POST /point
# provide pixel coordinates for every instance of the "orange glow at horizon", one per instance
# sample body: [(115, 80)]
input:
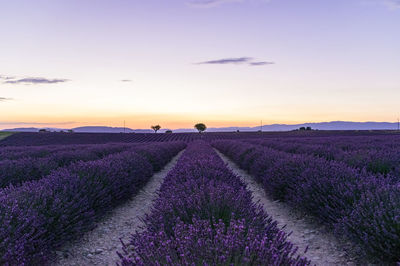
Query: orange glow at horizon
[(170, 121)]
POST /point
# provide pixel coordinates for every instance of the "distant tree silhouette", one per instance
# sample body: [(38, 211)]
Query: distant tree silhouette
[(168, 131), (156, 128), (200, 127), (308, 128), (302, 128), (43, 130)]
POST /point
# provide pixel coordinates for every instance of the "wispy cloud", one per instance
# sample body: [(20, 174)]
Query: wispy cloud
[(262, 63), (18, 123), (3, 99), (6, 77), (34, 81), (236, 61), (390, 4), (126, 80), (393, 4)]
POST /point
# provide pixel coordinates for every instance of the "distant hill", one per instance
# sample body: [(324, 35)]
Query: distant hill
[(32, 129), (100, 129), (96, 129), (333, 125)]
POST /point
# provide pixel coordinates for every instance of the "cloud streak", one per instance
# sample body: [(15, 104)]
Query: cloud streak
[(236, 61), (3, 99), (262, 63), (35, 81), (6, 77), (390, 4), (126, 80), (393, 4), (18, 123)]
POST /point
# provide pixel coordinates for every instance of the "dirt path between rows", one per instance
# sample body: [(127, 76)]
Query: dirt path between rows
[(323, 247), (99, 246)]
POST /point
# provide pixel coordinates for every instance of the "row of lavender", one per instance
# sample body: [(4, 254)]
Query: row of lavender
[(49, 138), (40, 215), (352, 142), (358, 205), (205, 216), (32, 163), (375, 154), (37, 139), (18, 152)]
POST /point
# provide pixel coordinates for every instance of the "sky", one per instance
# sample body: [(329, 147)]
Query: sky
[(70, 63)]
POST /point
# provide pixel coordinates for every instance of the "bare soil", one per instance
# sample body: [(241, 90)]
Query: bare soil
[(100, 246)]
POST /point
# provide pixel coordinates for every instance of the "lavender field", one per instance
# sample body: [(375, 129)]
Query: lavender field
[(349, 183), (52, 194), (200, 132)]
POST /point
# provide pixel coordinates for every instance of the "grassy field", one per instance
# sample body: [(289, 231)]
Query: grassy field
[(4, 135)]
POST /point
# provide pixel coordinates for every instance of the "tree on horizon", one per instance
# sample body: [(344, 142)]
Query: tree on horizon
[(156, 128), (200, 127)]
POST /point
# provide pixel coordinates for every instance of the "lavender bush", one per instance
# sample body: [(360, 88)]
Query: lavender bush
[(32, 168), (362, 206), (41, 215), (205, 216), (375, 223), (376, 155)]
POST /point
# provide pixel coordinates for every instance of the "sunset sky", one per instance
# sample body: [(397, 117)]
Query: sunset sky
[(69, 63)]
